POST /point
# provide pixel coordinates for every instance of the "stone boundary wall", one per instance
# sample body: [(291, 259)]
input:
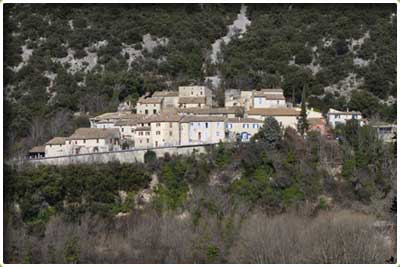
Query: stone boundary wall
[(127, 156)]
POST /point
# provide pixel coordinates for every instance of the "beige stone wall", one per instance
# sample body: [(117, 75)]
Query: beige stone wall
[(149, 108), (170, 101), (55, 150)]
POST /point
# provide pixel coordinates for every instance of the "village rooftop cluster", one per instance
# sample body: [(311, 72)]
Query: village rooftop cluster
[(187, 117)]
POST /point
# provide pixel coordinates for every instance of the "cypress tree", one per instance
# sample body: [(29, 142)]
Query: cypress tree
[(302, 123)]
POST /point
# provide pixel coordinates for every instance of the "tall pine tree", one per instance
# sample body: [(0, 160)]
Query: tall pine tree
[(302, 123)]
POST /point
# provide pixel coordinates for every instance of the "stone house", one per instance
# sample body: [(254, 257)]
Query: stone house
[(92, 140), (196, 91), (108, 120), (170, 98), (192, 102), (165, 129), (287, 117), (55, 147), (149, 105)]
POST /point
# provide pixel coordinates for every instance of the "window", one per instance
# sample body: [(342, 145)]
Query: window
[(142, 124), (170, 133), (245, 125), (84, 141), (218, 124), (146, 111), (217, 133), (229, 125), (76, 142), (336, 116), (260, 100), (132, 130), (148, 124), (170, 125), (148, 140), (206, 124), (147, 133), (97, 140), (354, 117), (154, 111), (122, 129), (201, 92), (199, 105), (69, 142), (158, 124), (110, 140), (158, 133), (255, 125)]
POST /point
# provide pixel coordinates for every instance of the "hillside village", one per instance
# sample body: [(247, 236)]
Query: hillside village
[(190, 117)]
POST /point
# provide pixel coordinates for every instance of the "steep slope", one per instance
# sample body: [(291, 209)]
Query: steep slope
[(63, 59)]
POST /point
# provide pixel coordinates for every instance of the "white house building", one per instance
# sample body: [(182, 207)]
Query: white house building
[(242, 128), (287, 117), (269, 98), (336, 117), (202, 130)]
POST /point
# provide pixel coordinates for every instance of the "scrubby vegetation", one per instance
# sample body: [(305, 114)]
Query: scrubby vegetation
[(44, 88), (273, 200)]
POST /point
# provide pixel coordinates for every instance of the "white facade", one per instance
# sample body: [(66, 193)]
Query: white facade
[(205, 130), (242, 128), (336, 117)]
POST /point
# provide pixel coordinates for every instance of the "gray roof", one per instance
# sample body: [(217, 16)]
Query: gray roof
[(57, 141), (94, 133)]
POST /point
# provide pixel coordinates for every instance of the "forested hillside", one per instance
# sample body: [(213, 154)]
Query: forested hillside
[(62, 59), (278, 199)]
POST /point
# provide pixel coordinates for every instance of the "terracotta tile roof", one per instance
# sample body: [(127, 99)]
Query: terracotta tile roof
[(165, 93), (162, 117), (192, 100), (132, 120), (57, 141), (150, 100), (225, 110), (273, 112), (189, 118), (241, 120), (94, 133), (37, 149)]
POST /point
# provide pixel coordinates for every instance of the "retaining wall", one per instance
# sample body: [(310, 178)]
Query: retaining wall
[(128, 156)]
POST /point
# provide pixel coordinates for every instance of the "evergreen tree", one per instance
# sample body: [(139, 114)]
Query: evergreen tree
[(302, 123), (270, 133)]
